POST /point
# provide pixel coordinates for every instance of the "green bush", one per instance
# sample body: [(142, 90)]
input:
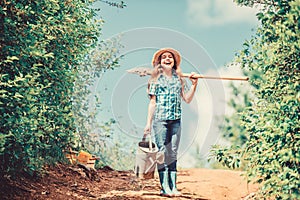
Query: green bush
[(273, 148), (86, 103), (271, 122), (42, 43)]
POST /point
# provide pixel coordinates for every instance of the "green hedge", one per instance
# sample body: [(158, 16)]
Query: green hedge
[(271, 122), (41, 46)]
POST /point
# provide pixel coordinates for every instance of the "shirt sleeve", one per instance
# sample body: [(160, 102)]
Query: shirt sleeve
[(151, 88)]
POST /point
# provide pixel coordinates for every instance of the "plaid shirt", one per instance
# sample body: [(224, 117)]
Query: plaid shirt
[(168, 97)]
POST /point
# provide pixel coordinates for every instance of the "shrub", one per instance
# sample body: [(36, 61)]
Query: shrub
[(42, 43)]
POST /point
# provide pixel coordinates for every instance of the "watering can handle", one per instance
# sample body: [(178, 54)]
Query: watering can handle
[(150, 142)]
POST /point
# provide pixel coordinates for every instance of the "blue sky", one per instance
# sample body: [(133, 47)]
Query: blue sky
[(218, 25), (207, 33)]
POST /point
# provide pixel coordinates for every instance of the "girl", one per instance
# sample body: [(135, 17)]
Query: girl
[(166, 88)]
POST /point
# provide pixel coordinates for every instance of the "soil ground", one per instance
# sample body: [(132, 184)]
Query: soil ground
[(65, 183)]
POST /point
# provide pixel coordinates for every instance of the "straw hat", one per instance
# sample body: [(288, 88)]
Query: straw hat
[(177, 57)]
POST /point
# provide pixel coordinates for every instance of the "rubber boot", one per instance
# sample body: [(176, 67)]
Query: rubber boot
[(164, 181), (172, 183)]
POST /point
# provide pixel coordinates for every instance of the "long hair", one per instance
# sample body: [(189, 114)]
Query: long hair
[(157, 71)]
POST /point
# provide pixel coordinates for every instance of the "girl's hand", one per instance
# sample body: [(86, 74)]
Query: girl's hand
[(193, 80), (147, 131)]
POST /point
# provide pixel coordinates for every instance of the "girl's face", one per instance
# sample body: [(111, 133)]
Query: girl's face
[(167, 60)]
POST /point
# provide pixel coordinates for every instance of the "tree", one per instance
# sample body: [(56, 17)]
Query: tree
[(271, 122), (232, 129), (85, 103), (42, 48)]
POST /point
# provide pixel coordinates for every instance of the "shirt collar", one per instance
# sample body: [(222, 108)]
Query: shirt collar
[(174, 75)]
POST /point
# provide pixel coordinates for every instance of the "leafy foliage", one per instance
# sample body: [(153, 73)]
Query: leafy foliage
[(230, 157), (118, 5), (117, 153), (271, 122), (233, 130), (42, 45), (86, 101)]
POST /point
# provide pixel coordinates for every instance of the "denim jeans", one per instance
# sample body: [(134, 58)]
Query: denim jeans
[(167, 137)]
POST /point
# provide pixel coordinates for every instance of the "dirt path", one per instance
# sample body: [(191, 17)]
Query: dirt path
[(195, 184), (64, 183)]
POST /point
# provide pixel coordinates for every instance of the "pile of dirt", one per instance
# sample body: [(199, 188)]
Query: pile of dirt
[(76, 182)]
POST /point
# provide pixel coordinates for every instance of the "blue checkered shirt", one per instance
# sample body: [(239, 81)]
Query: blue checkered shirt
[(168, 97)]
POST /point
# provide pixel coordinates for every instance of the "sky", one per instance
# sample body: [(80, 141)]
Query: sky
[(207, 33)]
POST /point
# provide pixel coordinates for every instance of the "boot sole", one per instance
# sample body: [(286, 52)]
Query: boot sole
[(167, 195)]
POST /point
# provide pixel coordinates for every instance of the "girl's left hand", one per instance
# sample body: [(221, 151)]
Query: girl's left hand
[(194, 80)]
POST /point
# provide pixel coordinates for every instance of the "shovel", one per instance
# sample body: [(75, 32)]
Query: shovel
[(144, 71)]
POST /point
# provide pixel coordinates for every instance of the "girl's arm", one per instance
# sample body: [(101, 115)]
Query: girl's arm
[(188, 97), (151, 110)]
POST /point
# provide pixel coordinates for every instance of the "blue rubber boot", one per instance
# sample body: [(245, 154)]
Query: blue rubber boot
[(164, 181), (172, 183)]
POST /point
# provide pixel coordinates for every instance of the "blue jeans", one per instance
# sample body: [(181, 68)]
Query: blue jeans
[(167, 137)]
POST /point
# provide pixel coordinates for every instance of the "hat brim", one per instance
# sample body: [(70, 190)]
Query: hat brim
[(157, 54)]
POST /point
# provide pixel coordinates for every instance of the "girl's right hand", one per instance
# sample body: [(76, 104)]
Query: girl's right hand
[(147, 129)]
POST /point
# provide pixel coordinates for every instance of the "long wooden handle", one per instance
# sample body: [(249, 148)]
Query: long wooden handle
[(144, 71), (216, 77)]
